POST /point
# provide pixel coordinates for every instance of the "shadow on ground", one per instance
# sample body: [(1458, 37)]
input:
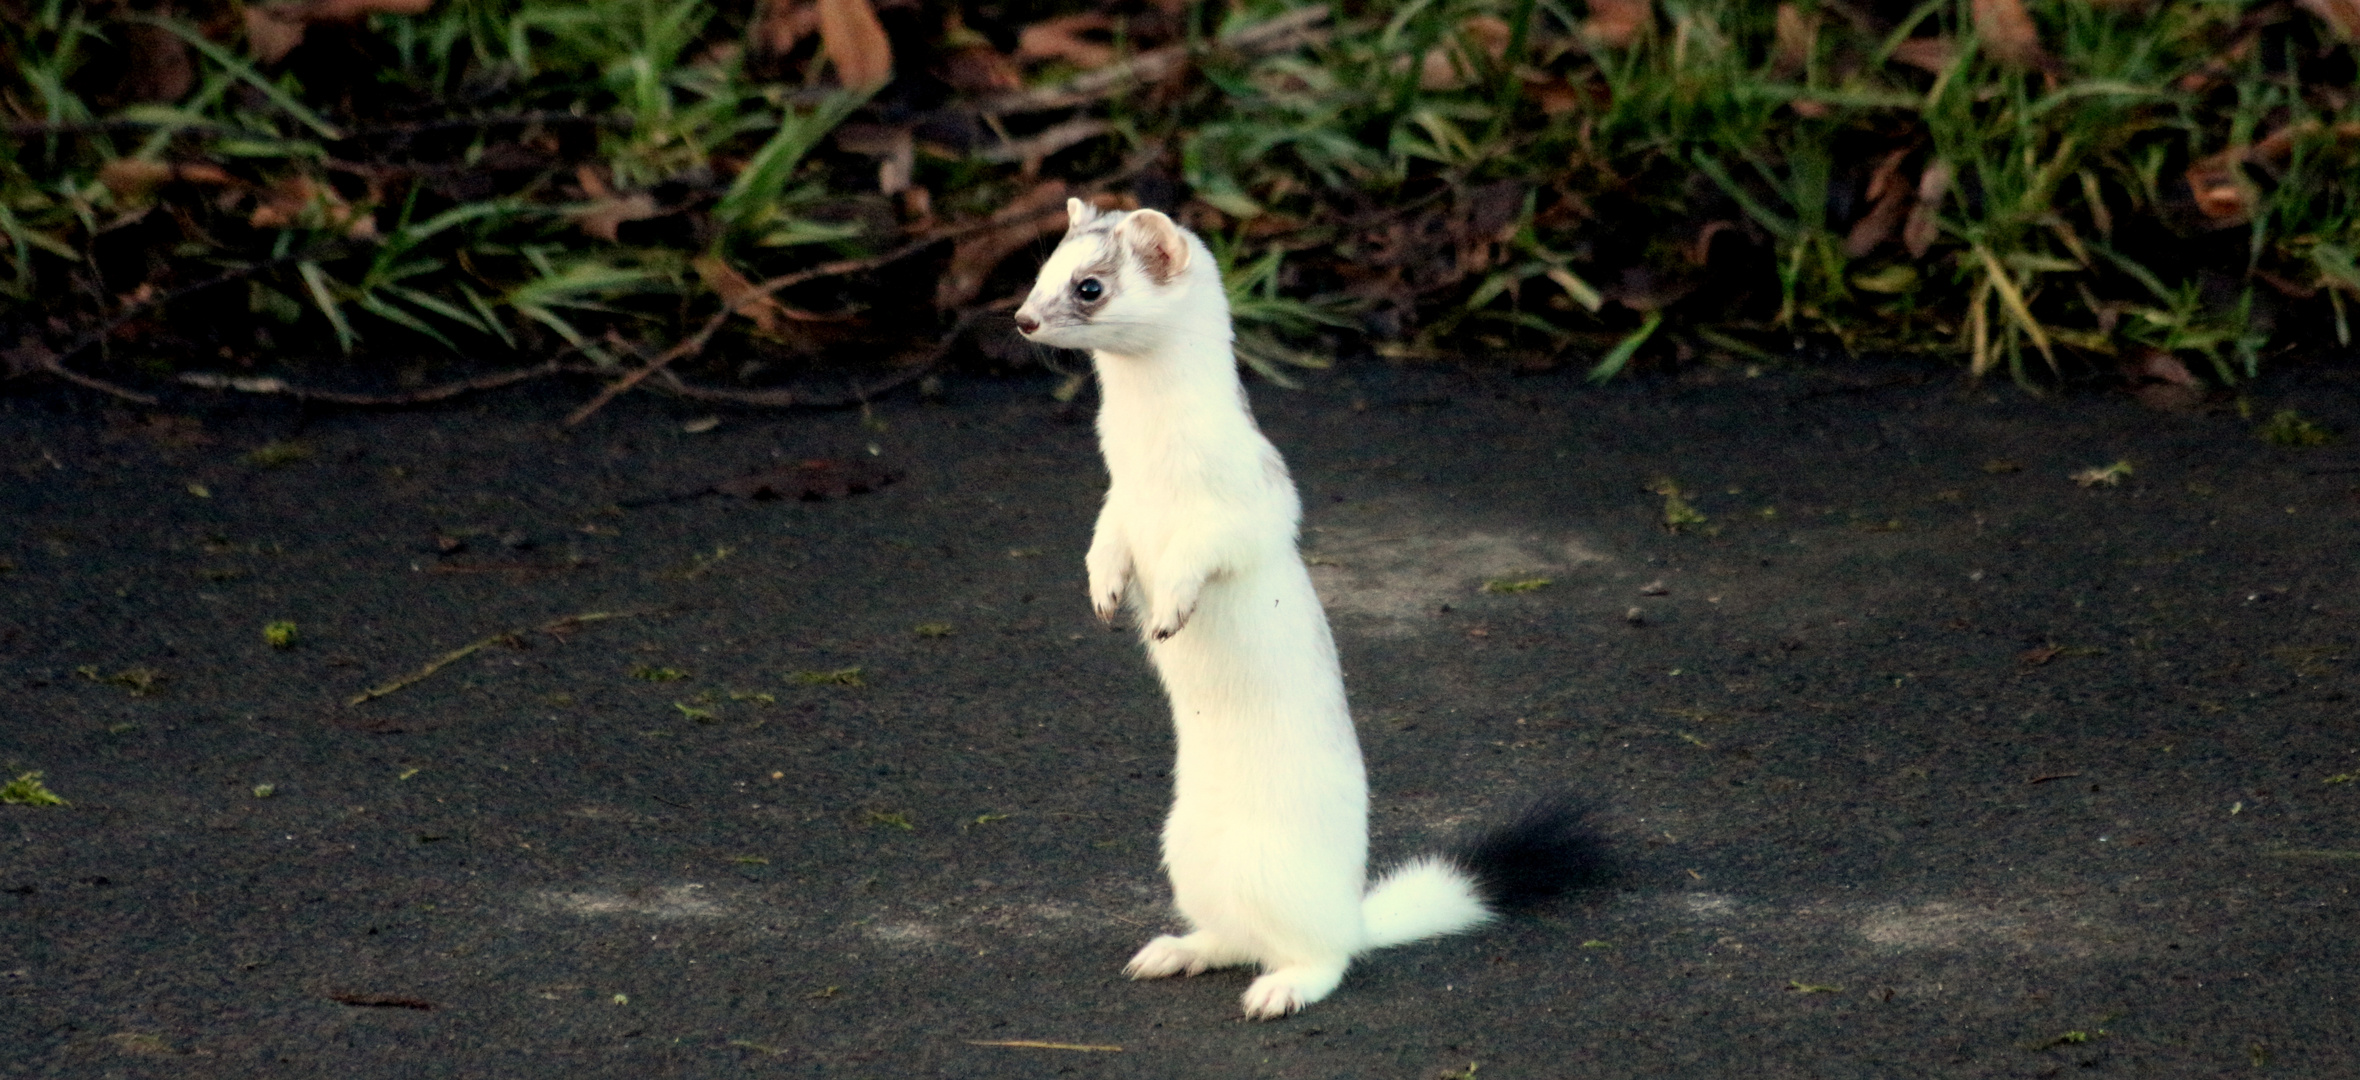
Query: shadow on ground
[(1918, 757)]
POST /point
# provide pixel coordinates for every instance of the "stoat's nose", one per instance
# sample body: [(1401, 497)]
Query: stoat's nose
[(1026, 323)]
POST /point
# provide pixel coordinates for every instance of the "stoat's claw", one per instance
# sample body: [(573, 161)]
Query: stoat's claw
[(1169, 625)]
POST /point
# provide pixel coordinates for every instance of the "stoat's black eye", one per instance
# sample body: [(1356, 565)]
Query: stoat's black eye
[(1088, 289)]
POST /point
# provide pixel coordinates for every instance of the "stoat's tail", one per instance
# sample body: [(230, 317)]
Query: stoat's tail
[(1542, 852)]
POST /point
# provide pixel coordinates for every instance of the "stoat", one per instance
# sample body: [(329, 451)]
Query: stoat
[(1267, 843)]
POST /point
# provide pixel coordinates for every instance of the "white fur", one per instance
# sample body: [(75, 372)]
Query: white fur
[(1267, 843)]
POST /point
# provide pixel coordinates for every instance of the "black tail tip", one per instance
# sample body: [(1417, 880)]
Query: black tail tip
[(1537, 856)]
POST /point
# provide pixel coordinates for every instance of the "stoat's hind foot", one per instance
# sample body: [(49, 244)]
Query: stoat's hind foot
[(1288, 989), (1191, 955)]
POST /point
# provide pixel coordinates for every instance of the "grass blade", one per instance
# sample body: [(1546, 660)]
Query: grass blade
[(316, 281), (1612, 364), (230, 62), (2014, 302)]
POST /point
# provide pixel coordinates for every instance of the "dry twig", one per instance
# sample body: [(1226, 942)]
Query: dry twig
[(553, 626), (271, 385), (1033, 148)]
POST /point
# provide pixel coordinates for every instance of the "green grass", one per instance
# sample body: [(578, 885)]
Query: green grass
[(28, 790), (499, 182)]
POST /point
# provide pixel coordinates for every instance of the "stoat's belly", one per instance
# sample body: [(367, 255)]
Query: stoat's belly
[(1256, 666)]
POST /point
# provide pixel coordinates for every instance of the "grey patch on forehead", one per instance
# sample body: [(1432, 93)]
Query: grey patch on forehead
[(1096, 232), (1104, 266)]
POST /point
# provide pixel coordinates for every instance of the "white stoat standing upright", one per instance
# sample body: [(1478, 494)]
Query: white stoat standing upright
[(1267, 843)]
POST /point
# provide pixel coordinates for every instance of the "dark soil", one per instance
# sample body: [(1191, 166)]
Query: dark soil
[(1915, 758)]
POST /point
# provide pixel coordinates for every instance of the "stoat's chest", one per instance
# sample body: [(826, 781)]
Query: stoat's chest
[(1167, 483)]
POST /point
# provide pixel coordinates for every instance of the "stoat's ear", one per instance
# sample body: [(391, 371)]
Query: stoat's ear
[(1078, 214), (1161, 249)]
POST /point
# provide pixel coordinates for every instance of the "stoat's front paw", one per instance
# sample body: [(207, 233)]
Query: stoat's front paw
[(1108, 579), (1166, 956), (1169, 613), (1165, 626)]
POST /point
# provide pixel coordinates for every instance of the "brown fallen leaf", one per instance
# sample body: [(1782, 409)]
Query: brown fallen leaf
[(1878, 225), (1069, 38), (1927, 54), (2341, 16), (1889, 203), (2158, 364), (1489, 33), (298, 201), (1450, 67), (1886, 179), (980, 69), (1918, 233), (1645, 288), (1798, 35), (780, 25), (1617, 23), (2161, 382), (855, 42), (2277, 146), (2222, 191), (1032, 215), (272, 33), (739, 293), (134, 178), (810, 481), (2039, 656), (1555, 95), (605, 212), (2007, 33), (274, 30)]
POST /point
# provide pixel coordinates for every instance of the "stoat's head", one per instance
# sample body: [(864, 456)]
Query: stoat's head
[(1124, 281)]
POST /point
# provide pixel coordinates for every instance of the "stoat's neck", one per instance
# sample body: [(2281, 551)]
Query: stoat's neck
[(1179, 402)]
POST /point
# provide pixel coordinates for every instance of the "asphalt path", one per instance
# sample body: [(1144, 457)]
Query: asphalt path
[(1915, 755)]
